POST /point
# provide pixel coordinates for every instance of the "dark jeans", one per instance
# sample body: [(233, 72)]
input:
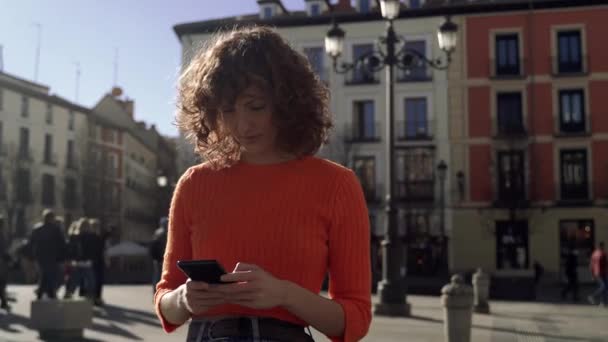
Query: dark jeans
[(571, 286), (99, 271), (3, 299), (602, 290), (81, 275), (49, 279)]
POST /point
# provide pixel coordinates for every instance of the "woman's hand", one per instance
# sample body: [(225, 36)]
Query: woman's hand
[(253, 287), (197, 298)]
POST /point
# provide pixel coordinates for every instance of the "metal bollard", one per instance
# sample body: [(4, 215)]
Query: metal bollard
[(481, 290), (457, 301)]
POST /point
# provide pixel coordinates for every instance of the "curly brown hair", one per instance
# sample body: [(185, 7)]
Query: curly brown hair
[(232, 61)]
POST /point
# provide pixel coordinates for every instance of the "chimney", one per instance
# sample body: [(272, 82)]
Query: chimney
[(129, 106)]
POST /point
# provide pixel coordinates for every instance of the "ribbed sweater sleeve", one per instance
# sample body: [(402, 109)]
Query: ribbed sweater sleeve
[(179, 245), (349, 258)]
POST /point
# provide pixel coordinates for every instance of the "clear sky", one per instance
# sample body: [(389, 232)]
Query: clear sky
[(89, 31)]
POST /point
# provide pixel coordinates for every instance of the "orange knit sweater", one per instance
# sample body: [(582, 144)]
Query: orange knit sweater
[(298, 220)]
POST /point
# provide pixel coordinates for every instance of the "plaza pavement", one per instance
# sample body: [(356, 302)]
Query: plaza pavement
[(129, 316)]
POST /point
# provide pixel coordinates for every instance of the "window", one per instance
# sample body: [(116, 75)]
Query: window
[(574, 181), (416, 3), (112, 165), (315, 10), (510, 115), (110, 135), (2, 148), (48, 149), (315, 57), (71, 160), (579, 235), (364, 6), (365, 169), (507, 54), (70, 201), (414, 173), (572, 110), (24, 143), (24, 194), (512, 245), (364, 127), (71, 119), (267, 12), (25, 107), (569, 47), (49, 113), (48, 190), (416, 119), (511, 177), (359, 74), (418, 70)]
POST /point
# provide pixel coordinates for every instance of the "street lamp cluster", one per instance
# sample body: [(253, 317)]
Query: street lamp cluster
[(391, 288)]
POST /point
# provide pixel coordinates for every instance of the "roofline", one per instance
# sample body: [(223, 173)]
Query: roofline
[(210, 26), (19, 79), (57, 100)]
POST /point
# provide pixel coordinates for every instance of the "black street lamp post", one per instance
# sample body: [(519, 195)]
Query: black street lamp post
[(391, 288), (442, 173)]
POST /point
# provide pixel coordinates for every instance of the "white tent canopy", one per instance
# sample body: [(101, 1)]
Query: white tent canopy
[(126, 248)]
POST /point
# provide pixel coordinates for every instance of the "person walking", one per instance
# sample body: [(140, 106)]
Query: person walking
[(80, 260), (98, 245), (571, 272), (157, 251), (5, 260), (49, 250), (599, 271)]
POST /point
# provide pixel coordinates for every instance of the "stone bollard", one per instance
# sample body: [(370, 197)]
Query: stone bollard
[(61, 320), (457, 301), (481, 290)]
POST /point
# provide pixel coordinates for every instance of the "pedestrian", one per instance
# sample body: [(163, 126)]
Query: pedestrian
[(599, 271), (4, 267), (157, 251), (99, 238), (571, 272), (80, 251), (539, 270), (49, 250), (262, 204)]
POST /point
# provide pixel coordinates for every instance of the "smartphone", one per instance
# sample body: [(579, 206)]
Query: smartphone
[(208, 271)]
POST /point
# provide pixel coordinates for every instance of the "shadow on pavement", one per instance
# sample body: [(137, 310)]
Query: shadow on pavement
[(510, 331), (113, 329), (126, 315), (8, 321)]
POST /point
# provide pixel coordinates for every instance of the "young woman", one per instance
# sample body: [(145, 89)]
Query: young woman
[(262, 204)]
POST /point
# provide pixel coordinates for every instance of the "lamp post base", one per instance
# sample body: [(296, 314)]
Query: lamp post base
[(393, 300), (392, 309)]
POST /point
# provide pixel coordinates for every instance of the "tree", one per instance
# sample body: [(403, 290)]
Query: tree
[(16, 173)]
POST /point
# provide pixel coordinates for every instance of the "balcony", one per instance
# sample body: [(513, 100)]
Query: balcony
[(359, 77), (50, 159), (355, 133), (569, 68), (418, 190), (25, 155), (508, 71), (415, 74), (411, 130), (511, 130)]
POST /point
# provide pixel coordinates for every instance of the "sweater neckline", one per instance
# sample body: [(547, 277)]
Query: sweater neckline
[(273, 166)]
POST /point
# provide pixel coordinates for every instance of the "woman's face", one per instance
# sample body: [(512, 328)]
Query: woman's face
[(250, 122)]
